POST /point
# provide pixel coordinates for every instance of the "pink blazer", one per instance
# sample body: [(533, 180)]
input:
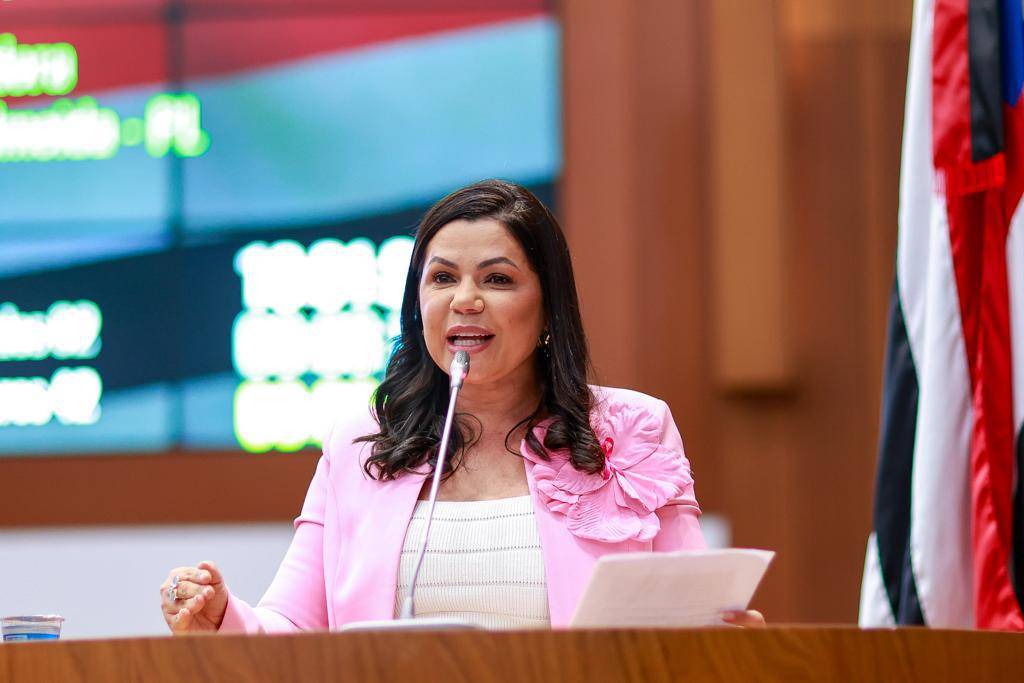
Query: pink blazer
[(343, 561)]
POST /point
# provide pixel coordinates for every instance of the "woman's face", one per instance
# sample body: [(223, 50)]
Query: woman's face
[(478, 294)]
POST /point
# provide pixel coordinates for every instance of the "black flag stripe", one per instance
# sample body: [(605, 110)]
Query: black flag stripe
[(985, 79), (895, 465)]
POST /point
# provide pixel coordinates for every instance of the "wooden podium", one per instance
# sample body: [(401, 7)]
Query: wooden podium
[(774, 654)]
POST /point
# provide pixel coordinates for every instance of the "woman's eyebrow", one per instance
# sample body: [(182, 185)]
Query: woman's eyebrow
[(494, 261), (443, 261)]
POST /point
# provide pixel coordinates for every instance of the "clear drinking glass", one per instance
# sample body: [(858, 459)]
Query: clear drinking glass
[(32, 627)]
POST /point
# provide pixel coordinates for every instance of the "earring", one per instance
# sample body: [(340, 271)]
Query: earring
[(544, 340)]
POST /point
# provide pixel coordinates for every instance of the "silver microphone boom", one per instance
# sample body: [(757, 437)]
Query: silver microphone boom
[(457, 372)]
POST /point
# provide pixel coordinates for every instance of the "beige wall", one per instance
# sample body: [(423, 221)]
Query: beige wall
[(730, 195)]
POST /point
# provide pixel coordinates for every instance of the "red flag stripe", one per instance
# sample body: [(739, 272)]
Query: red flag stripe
[(992, 434), (951, 94), (979, 214)]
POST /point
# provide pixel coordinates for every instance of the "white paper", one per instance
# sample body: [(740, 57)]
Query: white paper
[(685, 588)]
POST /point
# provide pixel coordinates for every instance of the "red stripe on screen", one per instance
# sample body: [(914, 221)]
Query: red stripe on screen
[(115, 54)]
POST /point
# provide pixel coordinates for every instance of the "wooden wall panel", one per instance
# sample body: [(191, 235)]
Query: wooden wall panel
[(647, 183), (179, 488), (791, 470), (834, 437), (843, 175), (830, 19)]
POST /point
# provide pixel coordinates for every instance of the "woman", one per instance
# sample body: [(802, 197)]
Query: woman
[(547, 474)]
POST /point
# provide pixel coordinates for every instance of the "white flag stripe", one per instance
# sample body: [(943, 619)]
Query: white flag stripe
[(917, 175), (940, 535), (1015, 273), (875, 609), (940, 542)]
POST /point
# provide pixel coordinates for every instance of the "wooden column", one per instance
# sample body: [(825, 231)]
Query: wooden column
[(751, 336), (601, 179)]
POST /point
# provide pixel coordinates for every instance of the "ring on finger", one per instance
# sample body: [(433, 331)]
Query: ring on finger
[(172, 591)]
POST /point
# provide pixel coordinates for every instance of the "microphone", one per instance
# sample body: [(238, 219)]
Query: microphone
[(457, 372)]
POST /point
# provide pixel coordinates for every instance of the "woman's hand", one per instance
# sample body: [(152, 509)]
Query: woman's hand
[(744, 618), (194, 599)]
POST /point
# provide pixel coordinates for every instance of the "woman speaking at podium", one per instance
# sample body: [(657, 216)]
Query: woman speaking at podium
[(546, 474)]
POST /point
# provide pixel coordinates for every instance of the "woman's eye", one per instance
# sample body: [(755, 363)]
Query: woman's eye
[(442, 278), (499, 279)]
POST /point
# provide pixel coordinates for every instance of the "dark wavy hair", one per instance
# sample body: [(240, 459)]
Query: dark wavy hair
[(411, 401)]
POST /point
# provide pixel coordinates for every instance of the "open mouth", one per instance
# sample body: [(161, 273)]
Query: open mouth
[(469, 341)]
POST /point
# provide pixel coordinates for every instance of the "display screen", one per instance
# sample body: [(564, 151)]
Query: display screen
[(206, 206)]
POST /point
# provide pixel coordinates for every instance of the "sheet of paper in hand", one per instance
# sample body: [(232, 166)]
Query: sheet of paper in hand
[(685, 588)]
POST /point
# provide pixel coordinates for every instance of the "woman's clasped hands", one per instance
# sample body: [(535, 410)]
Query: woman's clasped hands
[(194, 599)]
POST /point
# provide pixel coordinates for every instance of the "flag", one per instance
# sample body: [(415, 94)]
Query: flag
[(947, 547)]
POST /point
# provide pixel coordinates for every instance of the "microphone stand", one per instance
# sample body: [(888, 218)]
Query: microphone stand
[(407, 619)]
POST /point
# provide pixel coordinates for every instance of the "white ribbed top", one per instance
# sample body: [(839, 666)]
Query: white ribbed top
[(483, 564)]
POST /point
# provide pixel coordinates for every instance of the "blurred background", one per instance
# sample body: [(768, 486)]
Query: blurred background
[(205, 219)]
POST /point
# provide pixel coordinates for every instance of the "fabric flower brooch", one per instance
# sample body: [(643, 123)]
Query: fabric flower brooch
[(640, 475)]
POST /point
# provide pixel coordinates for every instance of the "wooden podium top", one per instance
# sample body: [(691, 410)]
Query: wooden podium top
[(727, 654)]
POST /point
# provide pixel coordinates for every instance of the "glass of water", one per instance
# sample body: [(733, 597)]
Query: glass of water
[(32, 627)]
